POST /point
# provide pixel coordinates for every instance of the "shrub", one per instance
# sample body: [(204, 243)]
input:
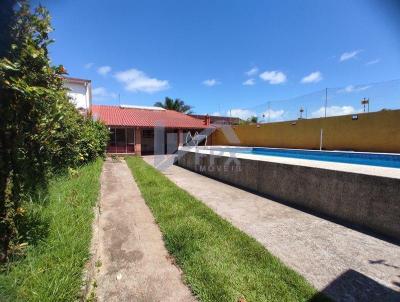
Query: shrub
[(41, 132), (93, 141)]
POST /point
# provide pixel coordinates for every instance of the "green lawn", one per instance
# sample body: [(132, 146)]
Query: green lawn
[(220, 263), (58, 228)]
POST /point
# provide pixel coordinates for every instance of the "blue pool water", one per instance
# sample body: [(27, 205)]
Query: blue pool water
[(371, 159)]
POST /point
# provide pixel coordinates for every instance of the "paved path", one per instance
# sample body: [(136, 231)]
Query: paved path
[(135, 265), (345, 264)]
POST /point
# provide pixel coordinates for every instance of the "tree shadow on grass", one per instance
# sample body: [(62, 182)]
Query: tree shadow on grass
[(354, 286)]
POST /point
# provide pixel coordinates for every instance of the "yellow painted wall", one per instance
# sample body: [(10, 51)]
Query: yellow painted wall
[(375, 132)]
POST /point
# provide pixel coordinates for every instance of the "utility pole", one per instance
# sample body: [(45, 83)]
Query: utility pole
[(326, 99), (320, 139), (301, 113), (364, 102)]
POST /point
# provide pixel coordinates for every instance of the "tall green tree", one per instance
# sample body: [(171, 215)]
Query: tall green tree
[(41, 132), (177, 105), (252, 120), (7, 18)]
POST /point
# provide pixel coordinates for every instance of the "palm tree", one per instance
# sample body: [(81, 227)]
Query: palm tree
[(253, 119), (177, 105)]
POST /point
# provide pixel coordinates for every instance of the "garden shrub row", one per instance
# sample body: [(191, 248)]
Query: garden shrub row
[(41, 132)]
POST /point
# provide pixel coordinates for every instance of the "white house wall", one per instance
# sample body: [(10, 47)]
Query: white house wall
[(79, 94)]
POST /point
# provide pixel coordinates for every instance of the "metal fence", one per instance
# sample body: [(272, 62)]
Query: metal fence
[(328, 102)]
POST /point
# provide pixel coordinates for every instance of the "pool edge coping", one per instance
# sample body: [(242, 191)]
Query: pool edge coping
[(334, 166)]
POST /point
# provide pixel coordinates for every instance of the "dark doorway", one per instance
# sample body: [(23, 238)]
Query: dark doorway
[(171, 141), (148, 141)]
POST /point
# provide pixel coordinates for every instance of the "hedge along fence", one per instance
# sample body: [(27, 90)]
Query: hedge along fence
[(41, 132)]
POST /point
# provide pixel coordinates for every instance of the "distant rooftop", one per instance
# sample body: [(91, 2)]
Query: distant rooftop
[(219, 120), (141, 107), (76, 80)]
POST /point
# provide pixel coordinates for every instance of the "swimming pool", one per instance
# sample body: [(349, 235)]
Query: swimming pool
[(359, 158)]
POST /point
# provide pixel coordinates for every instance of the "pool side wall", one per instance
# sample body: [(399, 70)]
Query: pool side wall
[(366, 201)]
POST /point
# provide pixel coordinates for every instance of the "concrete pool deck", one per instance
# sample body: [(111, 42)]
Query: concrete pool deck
[(345, 264), (361, 195)]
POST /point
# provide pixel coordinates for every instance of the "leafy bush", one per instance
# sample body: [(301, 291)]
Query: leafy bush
[(41, 132), (93, 141)]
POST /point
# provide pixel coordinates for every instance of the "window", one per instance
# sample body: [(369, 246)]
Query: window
[(148, 133)]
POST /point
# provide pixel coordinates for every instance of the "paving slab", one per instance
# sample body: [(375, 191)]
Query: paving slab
[(131, 261), (345, 264)]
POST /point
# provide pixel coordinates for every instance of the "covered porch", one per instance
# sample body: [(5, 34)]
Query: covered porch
[(146, 140), (146, 130)]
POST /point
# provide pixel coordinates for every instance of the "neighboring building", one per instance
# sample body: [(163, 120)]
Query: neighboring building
[(218, 120), (146, 130), (80, 92)]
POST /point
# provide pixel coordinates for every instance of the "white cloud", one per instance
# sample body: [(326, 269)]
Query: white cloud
[(349, 55), (351, 88), (211, 82), (333, 111), (274, 114), (313, 77), (252, 72), (101, 93), (273, 77), (216, 113), (137, 81), (249, 82), (103, 70), (88, 65), (243, 114), (376, 61)]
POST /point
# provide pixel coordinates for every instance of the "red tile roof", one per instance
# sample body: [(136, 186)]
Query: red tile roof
[(134, 117)]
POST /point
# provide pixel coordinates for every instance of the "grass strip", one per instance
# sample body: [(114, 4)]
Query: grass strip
[(220, 262), (59, 231)]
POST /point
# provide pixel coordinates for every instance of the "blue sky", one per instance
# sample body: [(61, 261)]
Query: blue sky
[(227, 55)]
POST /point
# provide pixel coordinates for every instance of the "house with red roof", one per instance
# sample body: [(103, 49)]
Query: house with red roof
[(146, 130)]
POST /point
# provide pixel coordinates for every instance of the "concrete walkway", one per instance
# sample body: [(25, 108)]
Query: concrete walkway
[(132, 263), (346, 264)]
